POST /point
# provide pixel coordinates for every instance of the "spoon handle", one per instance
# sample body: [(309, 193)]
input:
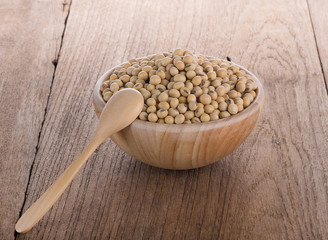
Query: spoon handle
[(47, 200)]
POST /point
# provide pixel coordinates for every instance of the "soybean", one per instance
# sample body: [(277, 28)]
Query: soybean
[(181, 87)]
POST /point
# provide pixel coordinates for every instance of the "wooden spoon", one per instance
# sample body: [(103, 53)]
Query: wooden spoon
[(120, 111)]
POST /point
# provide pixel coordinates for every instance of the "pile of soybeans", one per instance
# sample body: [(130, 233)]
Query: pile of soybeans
[(182, 87)]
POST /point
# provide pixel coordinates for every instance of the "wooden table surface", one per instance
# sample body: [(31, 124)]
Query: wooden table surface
[(274, 186)]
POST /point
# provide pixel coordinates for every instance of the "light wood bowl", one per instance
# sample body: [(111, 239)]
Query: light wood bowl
[(184, 146)]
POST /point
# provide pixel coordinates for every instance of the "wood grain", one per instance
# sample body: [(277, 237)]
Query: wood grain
[(319, 18), (28, 45), (273, 187)]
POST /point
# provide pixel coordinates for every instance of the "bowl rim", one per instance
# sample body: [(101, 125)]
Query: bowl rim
[(250, 110)]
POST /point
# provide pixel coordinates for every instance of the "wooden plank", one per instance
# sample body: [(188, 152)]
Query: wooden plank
[(273, 187), (30, 37), (319, 18)]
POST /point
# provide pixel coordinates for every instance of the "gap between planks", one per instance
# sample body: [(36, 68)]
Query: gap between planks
[(317, 47), (55, 63)]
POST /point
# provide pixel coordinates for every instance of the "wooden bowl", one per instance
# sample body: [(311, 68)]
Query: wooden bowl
[(184, 146)]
